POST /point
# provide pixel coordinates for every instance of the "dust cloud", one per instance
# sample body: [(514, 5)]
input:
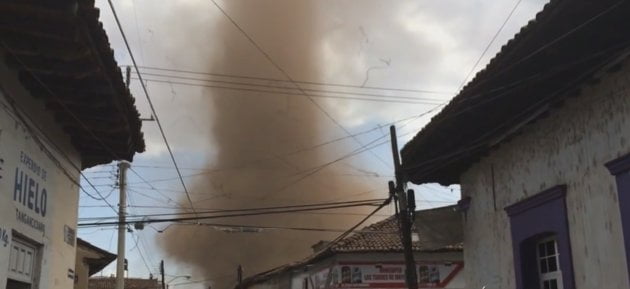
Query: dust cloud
[(255, 137)]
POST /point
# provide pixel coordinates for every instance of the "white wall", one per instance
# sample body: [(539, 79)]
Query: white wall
[(569, 147), (321, 267), (62, 193)]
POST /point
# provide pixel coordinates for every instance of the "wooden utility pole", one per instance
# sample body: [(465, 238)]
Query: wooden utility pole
[(239, 275), (122, 204), (398, 190), (162, 273)]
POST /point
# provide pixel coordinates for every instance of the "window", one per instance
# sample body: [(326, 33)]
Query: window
[(23, 263), (548, 264), (540, 241)]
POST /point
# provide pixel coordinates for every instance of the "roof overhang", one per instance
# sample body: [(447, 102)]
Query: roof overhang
[(566, 47), (62, 56), (96, 264)]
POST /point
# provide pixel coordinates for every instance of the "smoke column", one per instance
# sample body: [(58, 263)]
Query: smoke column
[(253, 134)]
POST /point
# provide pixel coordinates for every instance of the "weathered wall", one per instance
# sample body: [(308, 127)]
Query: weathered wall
[(61, 201), (569, 147), (319, 270)]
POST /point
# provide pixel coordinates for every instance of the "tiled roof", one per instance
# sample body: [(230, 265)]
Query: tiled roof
[(62, 56), (443, 234), (549, 60), (383, 236), (378, 237), (130, 283)]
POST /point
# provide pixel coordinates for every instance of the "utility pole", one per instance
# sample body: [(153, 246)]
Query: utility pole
[(122, 204), (239, 275), (397, 189), (128, 76), (162, 272)]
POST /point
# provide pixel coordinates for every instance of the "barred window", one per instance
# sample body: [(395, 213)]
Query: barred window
[(548, 264)]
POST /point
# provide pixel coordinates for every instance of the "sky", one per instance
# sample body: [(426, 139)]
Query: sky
[(421, 51)]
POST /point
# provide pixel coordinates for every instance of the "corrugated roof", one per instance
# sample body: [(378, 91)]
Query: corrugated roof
[(62, 56), (546, 62)]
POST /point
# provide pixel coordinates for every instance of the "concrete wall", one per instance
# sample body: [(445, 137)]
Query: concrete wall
[(62, 194), (569, 147)]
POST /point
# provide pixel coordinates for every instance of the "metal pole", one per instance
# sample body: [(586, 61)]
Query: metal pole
[(405, 215), (122, 203)]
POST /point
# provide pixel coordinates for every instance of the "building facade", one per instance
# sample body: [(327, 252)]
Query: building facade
[(373, 258), (63, 108), (89, 261), (543, 165)]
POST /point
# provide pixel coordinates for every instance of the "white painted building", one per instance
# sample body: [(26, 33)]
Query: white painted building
[(373, 258), (63, 108), (540, 143)]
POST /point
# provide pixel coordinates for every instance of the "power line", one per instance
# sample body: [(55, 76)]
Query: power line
[(550, 72), (285, 92), (440, 201), (146, 93), (478, 142), (349, 231), (490, 44), (296, 81), (554, 41), (211, 211), (140, 252), (378, 127), (288, 77), (150, 185), (22, 116), (366, 147), (290, 88), (196, 218), (131, 201), (308, 229)]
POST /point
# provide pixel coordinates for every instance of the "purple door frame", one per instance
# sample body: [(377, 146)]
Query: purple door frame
[(539, 216), (620, 168)]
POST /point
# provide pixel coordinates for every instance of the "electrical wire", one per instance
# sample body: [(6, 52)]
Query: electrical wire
[(513, 64), (287, 92), (151, 106), (296, 81), (150, 184), (212, 211), (308, 229), (290, 88), (22, 116), (489, 44), (290, 79), (140, 252), (151, 221), (353, 228), (478, 142)]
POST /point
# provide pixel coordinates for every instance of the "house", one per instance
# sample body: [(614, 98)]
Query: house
[(373, 258), (130, 283), (89, 261), (540, 143), (64, 107)]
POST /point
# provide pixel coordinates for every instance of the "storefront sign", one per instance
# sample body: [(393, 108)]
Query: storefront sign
[(29, 192), (384, 275)]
